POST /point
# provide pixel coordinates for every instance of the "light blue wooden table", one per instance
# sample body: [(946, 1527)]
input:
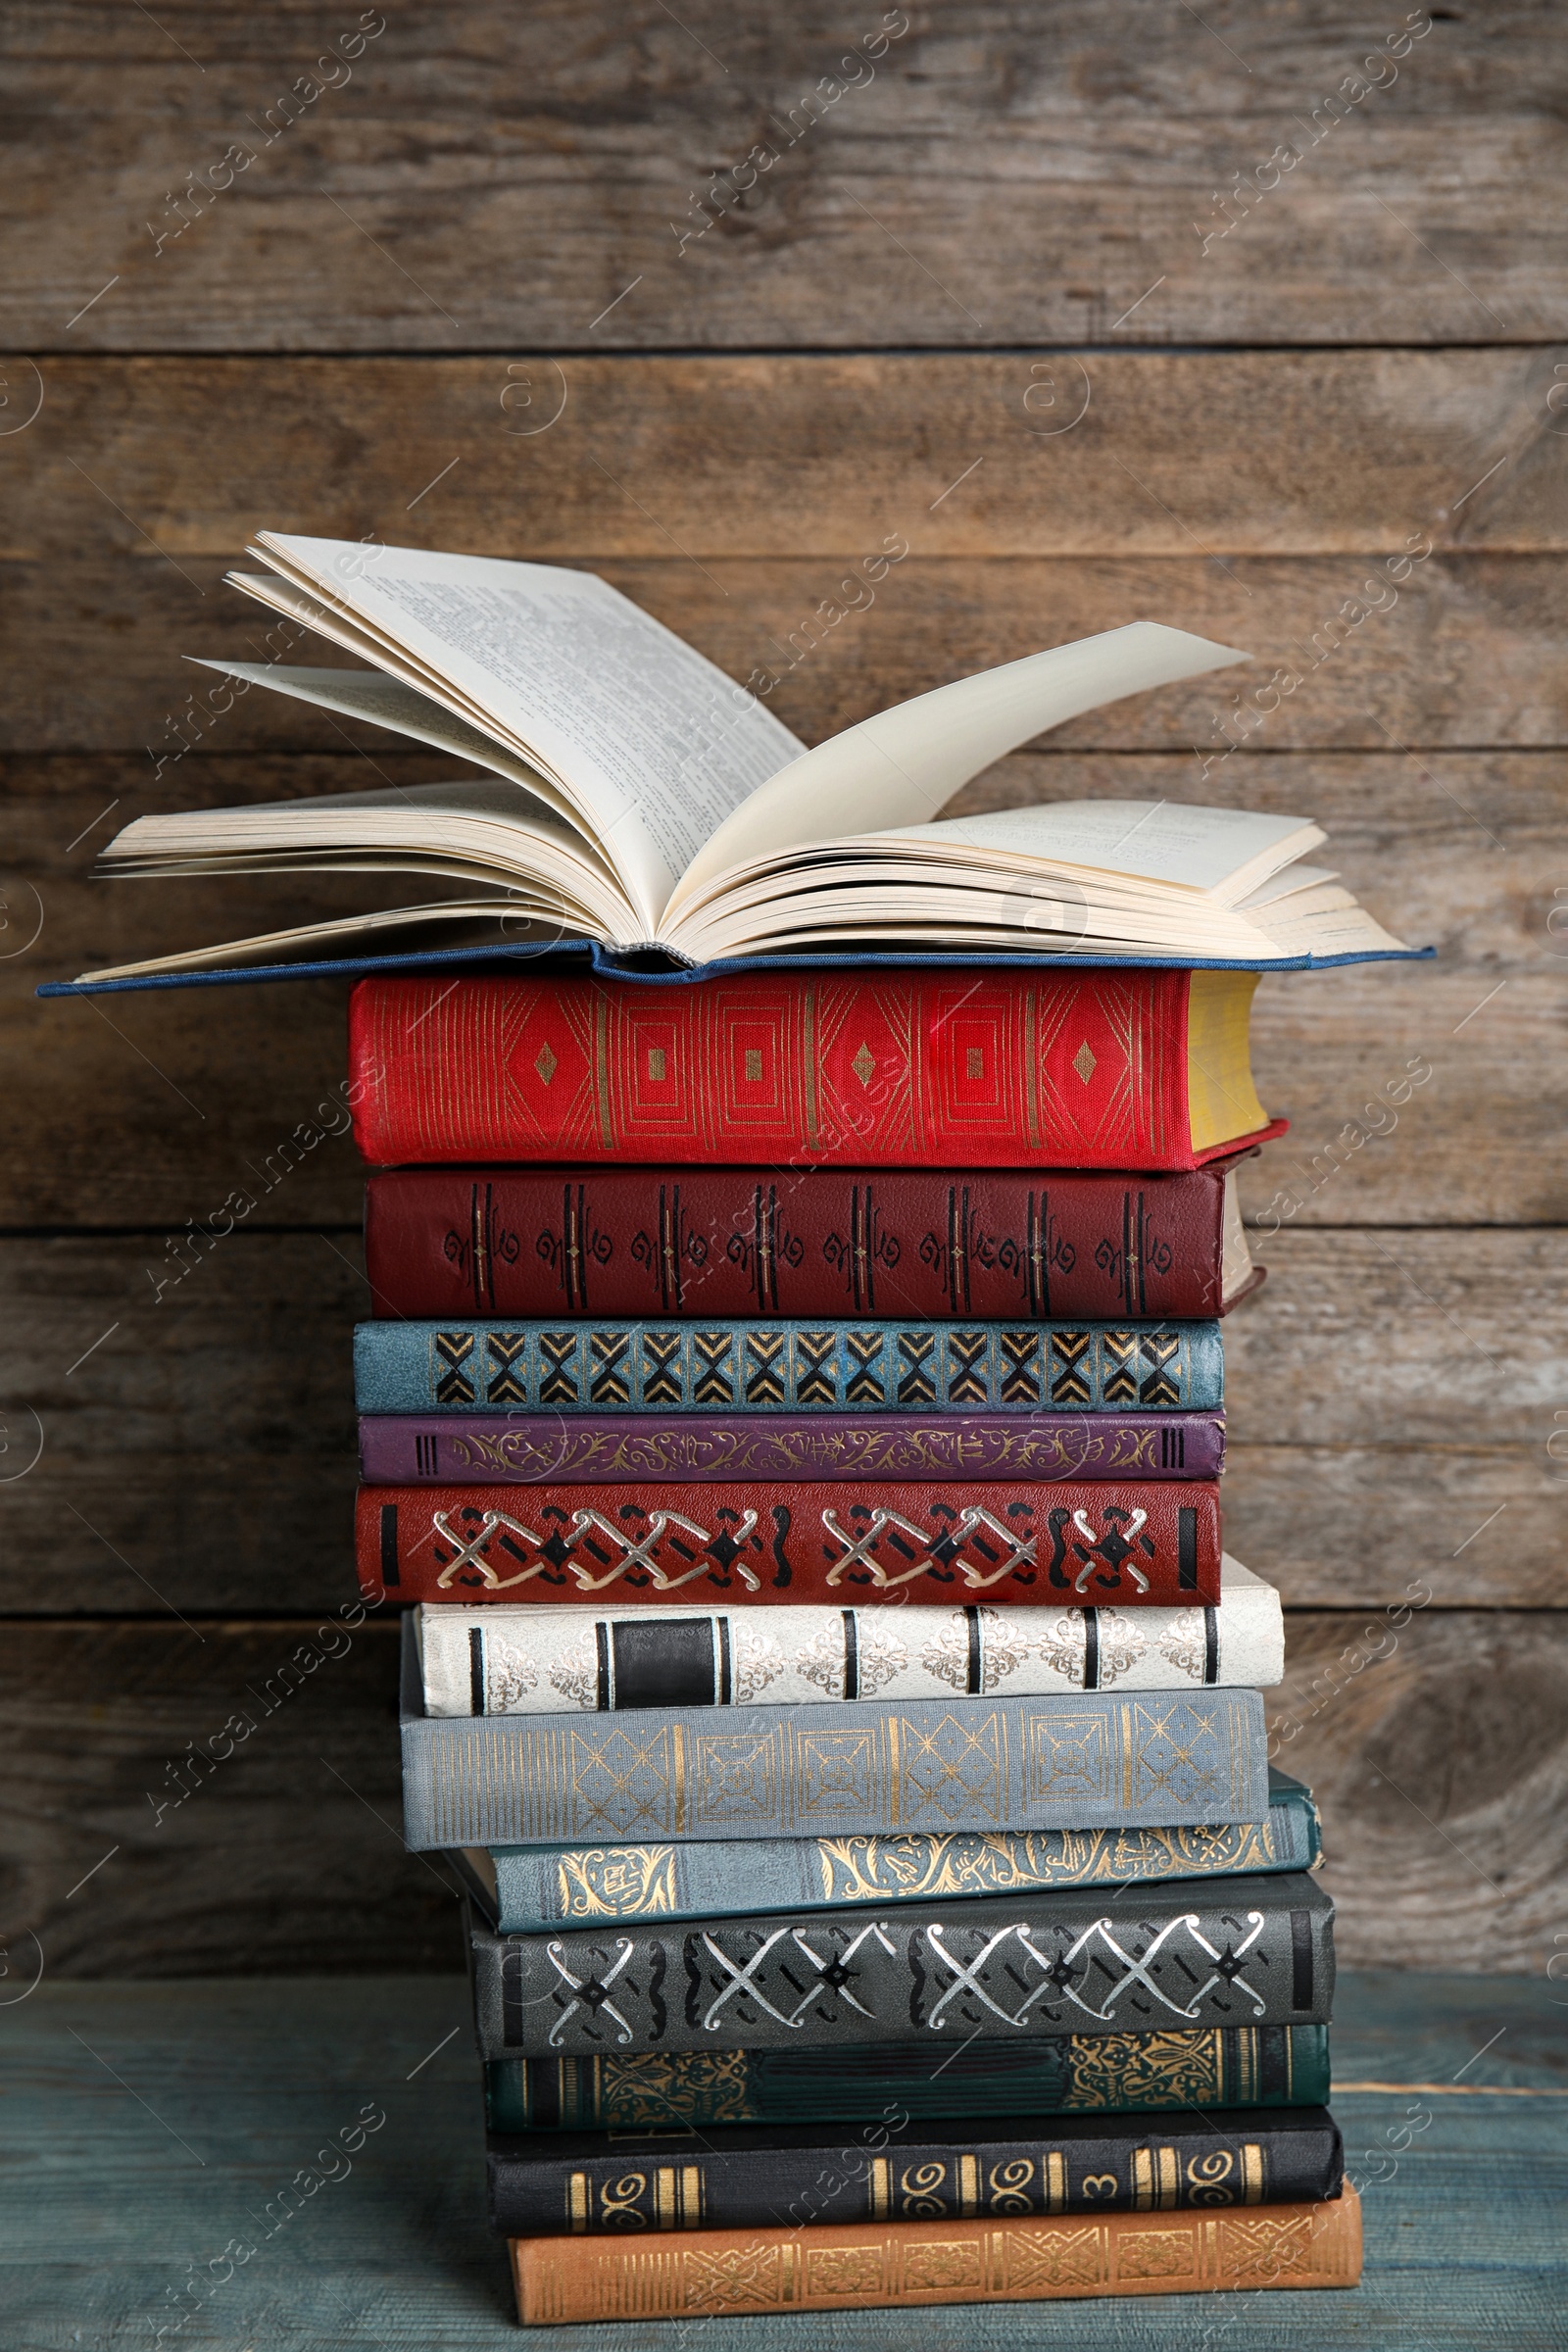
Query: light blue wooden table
[(146, 2127)]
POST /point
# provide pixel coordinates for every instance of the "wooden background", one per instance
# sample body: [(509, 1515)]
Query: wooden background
[(894, 332)]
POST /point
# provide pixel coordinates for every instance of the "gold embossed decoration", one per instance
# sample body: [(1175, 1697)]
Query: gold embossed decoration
[(1170, 2069), (1270, 2244), (931, 2263), (652, 2089), (1059, 2257), (851, 2271), (733, 2278), (1158, 2254), (617, 1882)]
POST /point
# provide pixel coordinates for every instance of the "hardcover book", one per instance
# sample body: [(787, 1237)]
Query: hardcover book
[(1170, 2067), (890, 1069), (909, 2265), (1154, 1544), (524, 1889), (403, 1450), (548, 1660), (757, 2176), (1098, 1760), (636, 796), (708, 1243), (1220, 1952), (756, 1367)]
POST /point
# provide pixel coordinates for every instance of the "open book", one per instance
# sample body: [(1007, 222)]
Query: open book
[(639, 798)]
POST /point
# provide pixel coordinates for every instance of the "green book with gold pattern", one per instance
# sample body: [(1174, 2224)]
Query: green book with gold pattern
[(1149, 2073), (528, 1889)]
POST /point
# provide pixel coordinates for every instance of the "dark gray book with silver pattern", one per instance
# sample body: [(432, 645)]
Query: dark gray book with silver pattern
[(1220, 1952)]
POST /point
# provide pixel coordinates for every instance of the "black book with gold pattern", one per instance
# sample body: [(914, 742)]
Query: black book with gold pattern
[(802, 2175)]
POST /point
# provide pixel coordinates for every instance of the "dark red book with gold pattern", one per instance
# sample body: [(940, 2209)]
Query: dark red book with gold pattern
[(1153, 1543), (698, 1243), (1132, 1069)]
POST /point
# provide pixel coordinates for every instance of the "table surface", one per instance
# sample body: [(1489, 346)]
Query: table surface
[(147, 2128)]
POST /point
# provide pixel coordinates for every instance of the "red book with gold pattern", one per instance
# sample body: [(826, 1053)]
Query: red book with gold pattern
[(1156, 1543), (714, 1243), (1071, 1069)]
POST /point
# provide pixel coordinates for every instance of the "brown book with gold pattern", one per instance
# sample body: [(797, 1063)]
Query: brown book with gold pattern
[(1027, 2260)]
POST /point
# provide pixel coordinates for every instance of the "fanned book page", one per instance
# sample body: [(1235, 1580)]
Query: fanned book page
[(641, 800)]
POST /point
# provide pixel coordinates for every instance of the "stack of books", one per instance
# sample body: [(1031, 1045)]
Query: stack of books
[(792, 1422), (821, 1656)]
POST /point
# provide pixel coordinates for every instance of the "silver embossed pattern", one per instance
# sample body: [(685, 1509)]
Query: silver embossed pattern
[(555, 1660)]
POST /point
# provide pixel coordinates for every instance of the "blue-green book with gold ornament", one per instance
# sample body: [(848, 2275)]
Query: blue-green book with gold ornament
[(1145, 2073), (530, 1889)]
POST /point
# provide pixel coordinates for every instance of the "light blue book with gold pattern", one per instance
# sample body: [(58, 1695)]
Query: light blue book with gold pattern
[(1093, 1759), (531, 1889)]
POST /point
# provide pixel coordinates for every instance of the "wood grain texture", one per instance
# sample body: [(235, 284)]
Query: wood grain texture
[(1438, 1750), (1442, 1767), (1391, 1401), (1471, 657), (1459, 849), (1428, 1337), (286, 1850), (596, 460), (1001, 173), (250, 2085), (198, 1450)]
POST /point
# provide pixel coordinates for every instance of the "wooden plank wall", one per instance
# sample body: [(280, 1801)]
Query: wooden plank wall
[(503, 279)]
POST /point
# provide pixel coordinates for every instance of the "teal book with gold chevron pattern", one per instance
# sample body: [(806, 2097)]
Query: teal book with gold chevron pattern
[(753, 1367)]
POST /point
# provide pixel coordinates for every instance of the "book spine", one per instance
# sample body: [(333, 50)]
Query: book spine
[(1056, 1545), (717, 1242), (1083, 1069), (1226, 1952), (1094, 1761), (1227, 2066), (540, 1888), (816, 2177), (557, 1661), (398, 1449), (581, 1367), (907, 2264)]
